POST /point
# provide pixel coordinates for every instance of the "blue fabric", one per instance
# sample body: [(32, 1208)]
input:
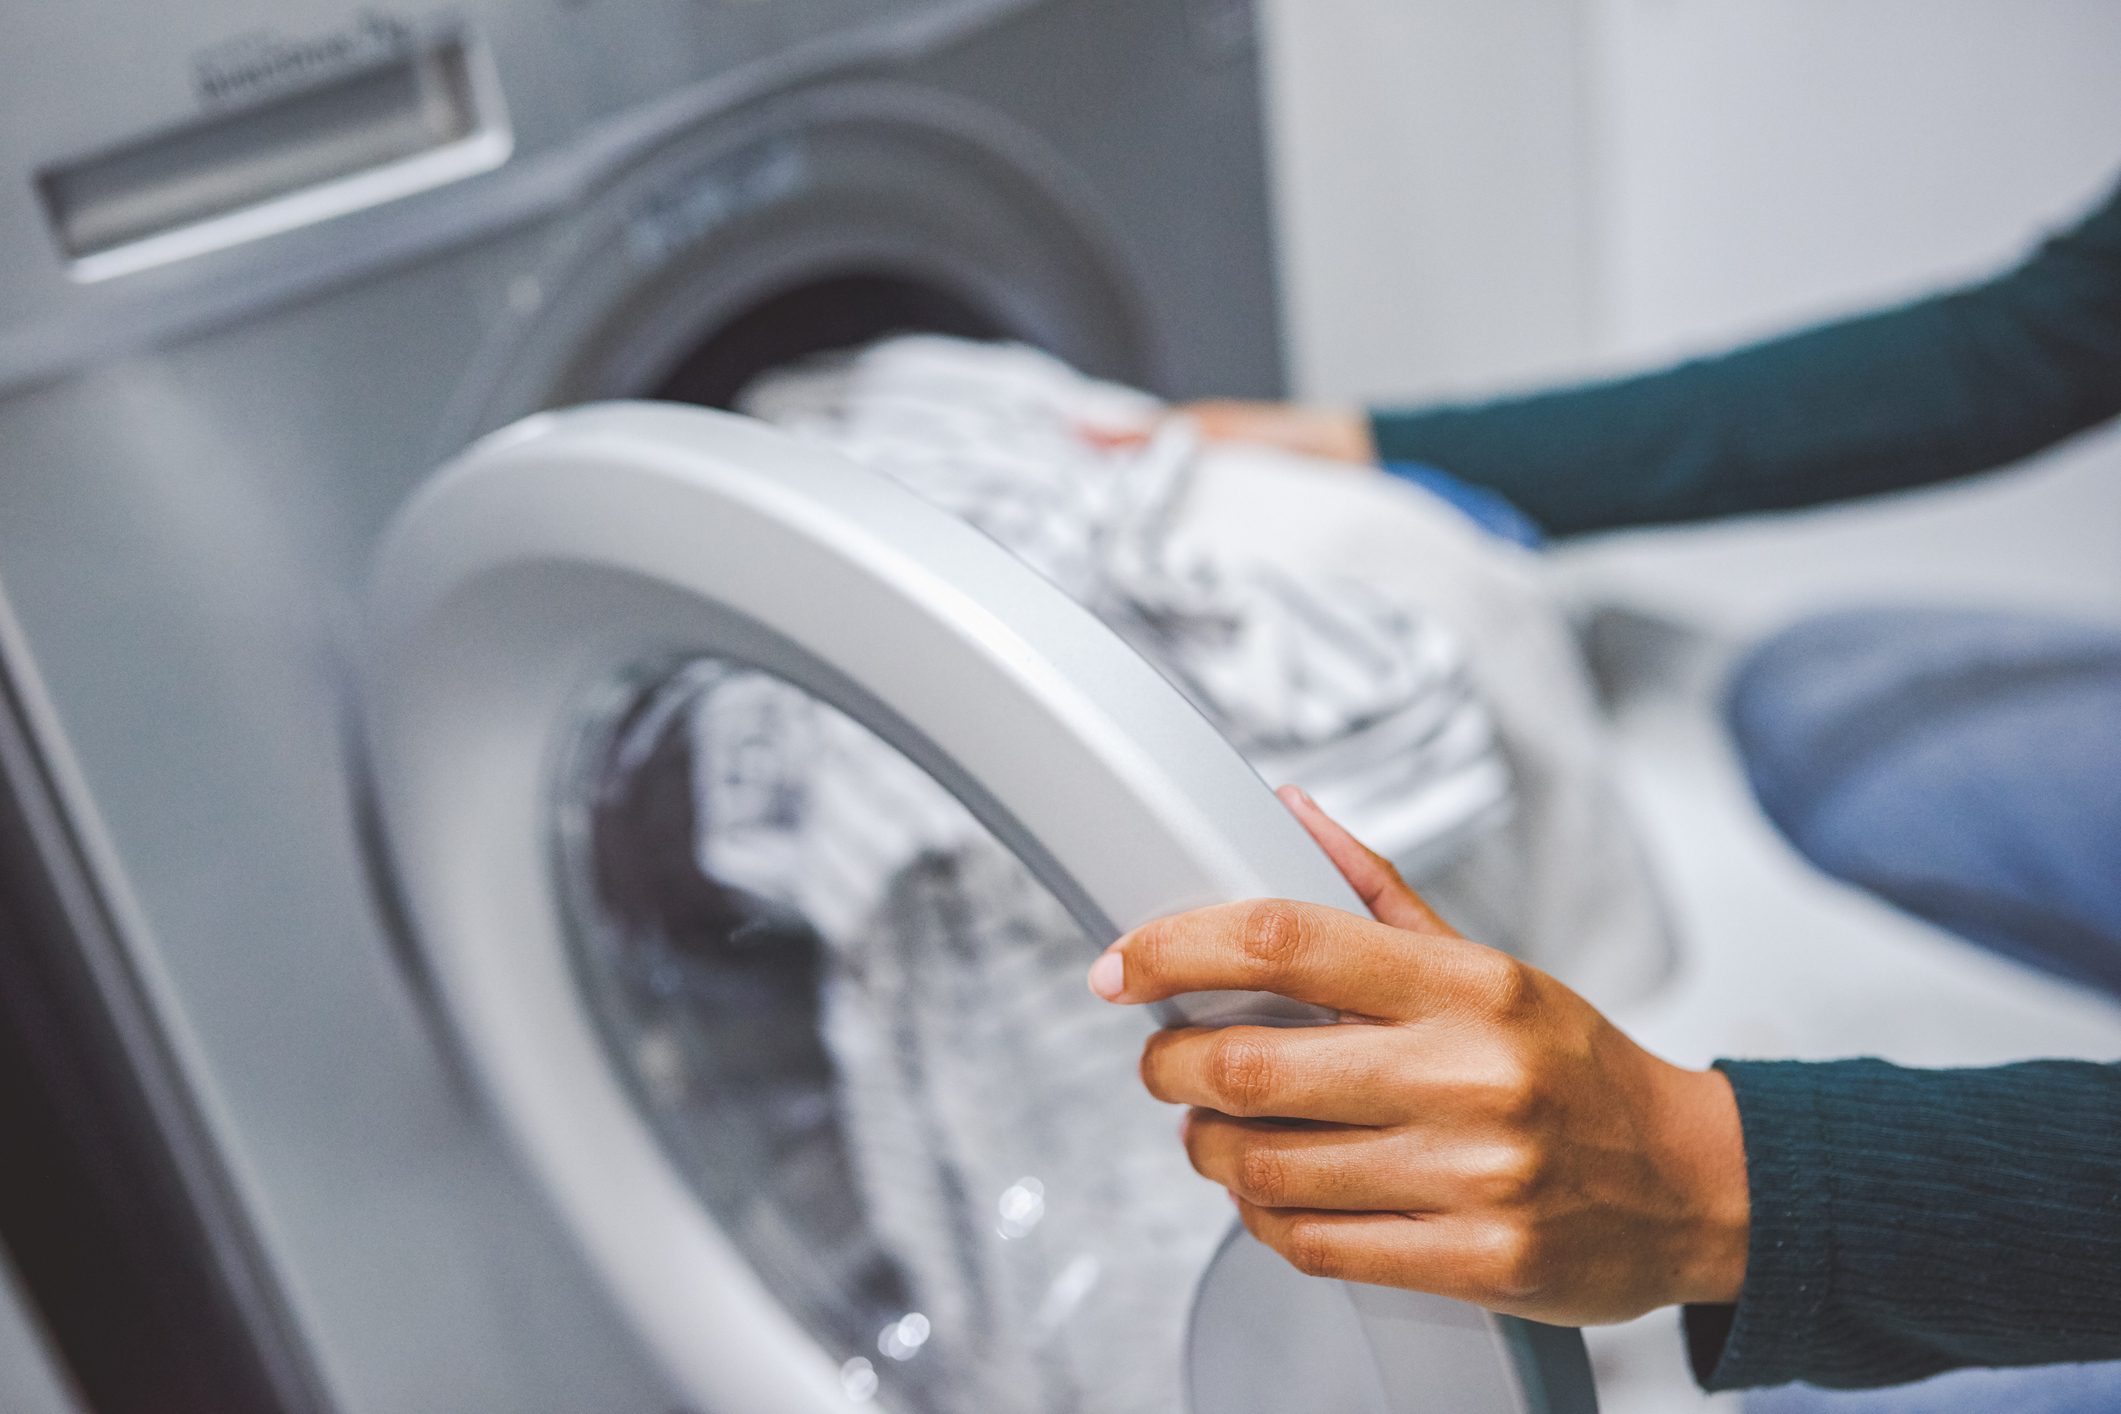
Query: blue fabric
[(1965, 765), (1485, 508), (2047, 1389)]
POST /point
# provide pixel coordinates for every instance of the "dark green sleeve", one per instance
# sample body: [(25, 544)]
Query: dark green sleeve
[(1944, 387), (1907, 1222)]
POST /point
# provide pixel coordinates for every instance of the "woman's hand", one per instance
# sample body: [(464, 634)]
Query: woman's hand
[(1334, 434), (1473, 1128)]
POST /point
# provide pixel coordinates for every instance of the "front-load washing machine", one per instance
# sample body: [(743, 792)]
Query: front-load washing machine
[(362, 1046)]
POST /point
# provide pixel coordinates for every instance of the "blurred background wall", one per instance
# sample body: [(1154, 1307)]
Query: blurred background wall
[(1482, 193)]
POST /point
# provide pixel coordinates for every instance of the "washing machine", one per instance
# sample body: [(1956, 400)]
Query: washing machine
[(369, 1039)]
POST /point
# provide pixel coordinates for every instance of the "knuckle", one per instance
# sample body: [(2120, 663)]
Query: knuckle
[(1241, 1072), (1513, 1265), (1517, 1091), (1508, 989), (1273, 936), (1307, 1245), (1263, 1176), (1512, 1175)]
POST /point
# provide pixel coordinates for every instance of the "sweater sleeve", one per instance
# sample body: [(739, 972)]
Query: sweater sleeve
[(1944, 387), (1907, 1222)]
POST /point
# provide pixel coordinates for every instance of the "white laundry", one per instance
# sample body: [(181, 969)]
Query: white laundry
[(1033, 1198), (1312, 674), (1319, 622)]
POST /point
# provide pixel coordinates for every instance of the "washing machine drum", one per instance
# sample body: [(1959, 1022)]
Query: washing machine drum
[(756, 822)]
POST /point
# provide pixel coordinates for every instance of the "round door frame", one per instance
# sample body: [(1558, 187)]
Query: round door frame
[(573, 548)]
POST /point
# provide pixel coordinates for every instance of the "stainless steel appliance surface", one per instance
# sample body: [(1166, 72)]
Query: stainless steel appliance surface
[(263, 268)]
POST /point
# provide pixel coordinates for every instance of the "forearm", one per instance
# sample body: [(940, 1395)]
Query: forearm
[(1905, 1222), (1940, 388)]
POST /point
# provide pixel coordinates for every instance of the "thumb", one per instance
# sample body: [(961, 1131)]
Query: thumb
[(1369, 873)]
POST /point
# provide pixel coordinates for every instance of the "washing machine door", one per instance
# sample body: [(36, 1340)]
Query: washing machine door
[(755, 823)]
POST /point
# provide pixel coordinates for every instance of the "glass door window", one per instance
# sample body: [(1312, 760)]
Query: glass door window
[(858, 1025)]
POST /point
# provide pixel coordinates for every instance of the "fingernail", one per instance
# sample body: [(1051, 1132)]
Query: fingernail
[(1299, 795), (1108, 976)]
